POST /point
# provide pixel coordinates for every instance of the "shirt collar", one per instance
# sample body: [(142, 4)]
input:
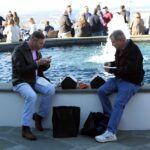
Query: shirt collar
[(127, 43)]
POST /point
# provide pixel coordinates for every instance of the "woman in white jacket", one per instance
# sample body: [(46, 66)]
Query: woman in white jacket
[(32, 26), (12, 32)]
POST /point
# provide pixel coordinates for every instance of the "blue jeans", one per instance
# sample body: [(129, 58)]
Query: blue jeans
[(125, 91), (29, 94)]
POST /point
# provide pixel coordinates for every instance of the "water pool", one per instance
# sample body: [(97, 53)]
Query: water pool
[(74, 60)]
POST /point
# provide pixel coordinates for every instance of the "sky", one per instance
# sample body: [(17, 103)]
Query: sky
[(27, 6)]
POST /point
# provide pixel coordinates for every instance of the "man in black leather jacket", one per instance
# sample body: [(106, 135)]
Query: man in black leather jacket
[(28, 78)]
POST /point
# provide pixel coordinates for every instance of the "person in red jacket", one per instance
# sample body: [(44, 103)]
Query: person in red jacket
[(107, 16)]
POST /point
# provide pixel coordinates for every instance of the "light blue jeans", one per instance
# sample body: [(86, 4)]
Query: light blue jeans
[(125, 91), (30, 96)]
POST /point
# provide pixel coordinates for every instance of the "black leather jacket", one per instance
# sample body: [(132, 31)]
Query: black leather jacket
[(24, 67), (129, 64)]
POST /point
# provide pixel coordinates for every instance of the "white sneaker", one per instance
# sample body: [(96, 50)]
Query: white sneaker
[(106, 137)]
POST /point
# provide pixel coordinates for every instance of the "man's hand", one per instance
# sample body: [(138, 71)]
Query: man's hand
[(107, 64), (48, 59), (44, 61), (107, 69)]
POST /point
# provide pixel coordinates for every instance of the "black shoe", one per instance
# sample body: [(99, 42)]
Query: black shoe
[(38, 121), (26, 133)]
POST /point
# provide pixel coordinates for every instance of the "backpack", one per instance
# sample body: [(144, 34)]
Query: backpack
[(95, 124)]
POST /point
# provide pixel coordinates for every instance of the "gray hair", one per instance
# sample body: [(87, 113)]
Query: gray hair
[(117, 35)]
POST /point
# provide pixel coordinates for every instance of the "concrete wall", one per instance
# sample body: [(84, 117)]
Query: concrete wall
[(136, 115)]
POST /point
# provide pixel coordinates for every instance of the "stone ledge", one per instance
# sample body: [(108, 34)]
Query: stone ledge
[(7, 87), (55, 42)]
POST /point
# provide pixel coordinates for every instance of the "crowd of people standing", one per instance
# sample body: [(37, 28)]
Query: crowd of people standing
[(10, 28), (83, 24), (87, 24)]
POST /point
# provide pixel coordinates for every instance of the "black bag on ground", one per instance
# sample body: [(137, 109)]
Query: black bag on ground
[(95, 124), (66, 120)]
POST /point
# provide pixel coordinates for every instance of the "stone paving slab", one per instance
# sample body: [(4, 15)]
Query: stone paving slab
[(10, 139)]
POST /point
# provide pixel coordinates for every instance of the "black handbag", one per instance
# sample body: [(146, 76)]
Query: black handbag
[(96, 82), (66, 120), (95, 124), (69, 82)]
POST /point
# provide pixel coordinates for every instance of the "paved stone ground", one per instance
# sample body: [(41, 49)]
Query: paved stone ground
[(10, 139)]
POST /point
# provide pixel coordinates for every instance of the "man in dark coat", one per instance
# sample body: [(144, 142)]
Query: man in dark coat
[(128, 71), (65, 25), (28, 78)]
